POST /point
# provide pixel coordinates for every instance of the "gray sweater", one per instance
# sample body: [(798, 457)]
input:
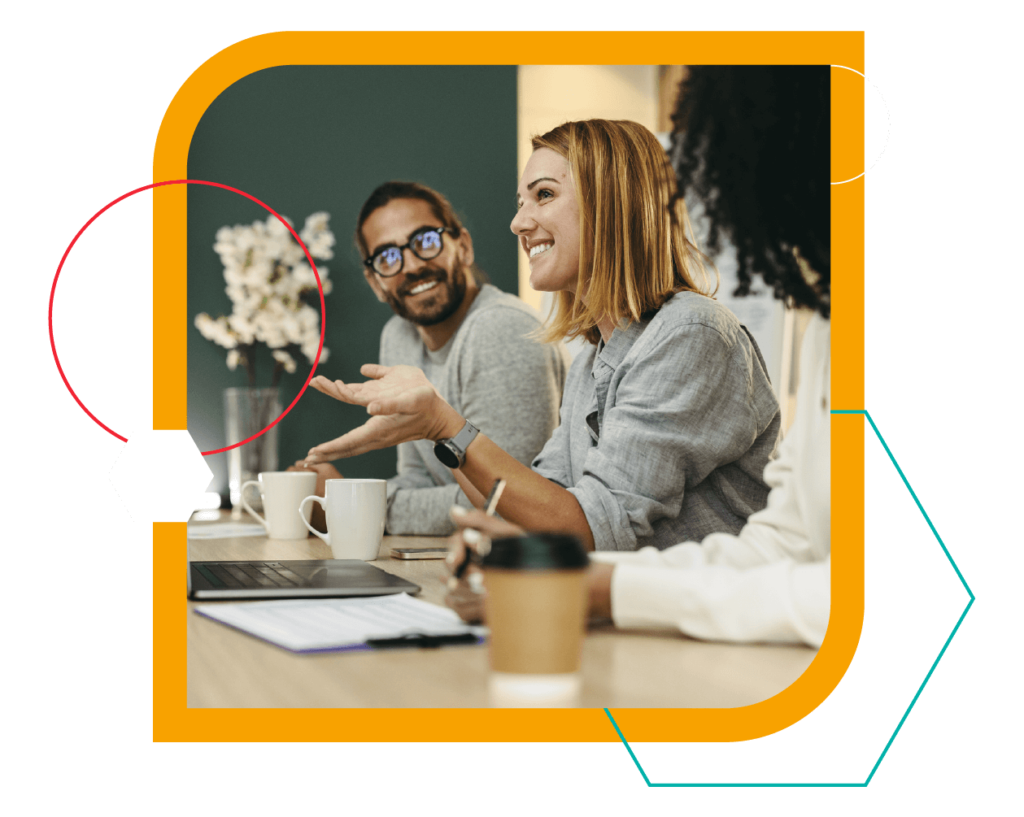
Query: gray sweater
[(506, 384)]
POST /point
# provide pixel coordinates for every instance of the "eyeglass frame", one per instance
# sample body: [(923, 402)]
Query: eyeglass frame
[(368, 262)]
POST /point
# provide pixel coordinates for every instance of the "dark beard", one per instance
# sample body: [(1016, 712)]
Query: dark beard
[(447, 297)]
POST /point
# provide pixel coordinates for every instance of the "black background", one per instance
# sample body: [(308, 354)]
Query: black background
[(97, 126)]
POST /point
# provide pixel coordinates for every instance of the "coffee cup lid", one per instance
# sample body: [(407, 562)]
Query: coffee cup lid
[(537, 551)]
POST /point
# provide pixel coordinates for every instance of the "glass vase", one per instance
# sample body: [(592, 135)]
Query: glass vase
[(246, 411)]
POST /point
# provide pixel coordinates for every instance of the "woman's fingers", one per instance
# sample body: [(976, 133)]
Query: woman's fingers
[(468, 605), (466, 596)]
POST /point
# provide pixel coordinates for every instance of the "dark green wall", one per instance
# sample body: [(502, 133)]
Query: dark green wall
[(304, 139)]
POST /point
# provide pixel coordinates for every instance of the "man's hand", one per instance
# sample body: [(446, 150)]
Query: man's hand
[(324, 471), (404, 404)]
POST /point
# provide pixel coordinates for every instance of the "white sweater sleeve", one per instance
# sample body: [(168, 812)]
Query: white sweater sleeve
[(783, 601), (770, 582)]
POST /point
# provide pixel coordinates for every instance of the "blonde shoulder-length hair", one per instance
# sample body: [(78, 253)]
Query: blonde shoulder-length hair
[(634, 249)]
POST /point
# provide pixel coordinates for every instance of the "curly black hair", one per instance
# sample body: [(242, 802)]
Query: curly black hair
[(752, 142)]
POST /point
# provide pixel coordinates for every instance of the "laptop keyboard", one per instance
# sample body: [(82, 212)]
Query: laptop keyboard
[(249, 574)]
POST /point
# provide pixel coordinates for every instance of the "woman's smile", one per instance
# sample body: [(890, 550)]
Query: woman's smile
[(548, 222)]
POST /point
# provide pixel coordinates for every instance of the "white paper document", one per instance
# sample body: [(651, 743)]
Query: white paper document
[(312, 625), (226, 530)]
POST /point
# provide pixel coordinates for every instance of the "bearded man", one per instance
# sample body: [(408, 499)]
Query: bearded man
[(475, 343)]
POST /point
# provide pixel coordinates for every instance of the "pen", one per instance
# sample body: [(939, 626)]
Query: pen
[(490, 506), (422, 640)]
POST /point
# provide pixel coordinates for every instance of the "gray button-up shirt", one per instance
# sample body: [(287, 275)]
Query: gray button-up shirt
[(666, 429)]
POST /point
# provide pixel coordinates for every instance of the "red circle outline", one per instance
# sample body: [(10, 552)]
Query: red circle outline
[(269, 209)]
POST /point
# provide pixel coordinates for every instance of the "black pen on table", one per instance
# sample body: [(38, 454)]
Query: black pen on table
[(490, 506)]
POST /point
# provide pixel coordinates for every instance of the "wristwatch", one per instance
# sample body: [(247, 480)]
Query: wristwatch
[(452, 452)]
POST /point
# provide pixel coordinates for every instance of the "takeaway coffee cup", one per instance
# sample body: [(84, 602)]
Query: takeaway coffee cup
[(536, 609), (281, 491), (355, 510)]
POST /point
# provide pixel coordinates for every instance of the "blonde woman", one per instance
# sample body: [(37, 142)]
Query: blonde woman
[(752, 142), (667, 418)]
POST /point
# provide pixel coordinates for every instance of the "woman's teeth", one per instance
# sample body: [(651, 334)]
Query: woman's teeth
[(537, 249), (416, 290)]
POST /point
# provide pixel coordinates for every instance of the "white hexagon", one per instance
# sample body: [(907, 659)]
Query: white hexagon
[(160, 476)]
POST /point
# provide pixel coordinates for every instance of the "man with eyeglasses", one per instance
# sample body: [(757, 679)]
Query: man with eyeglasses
[(470, 339)]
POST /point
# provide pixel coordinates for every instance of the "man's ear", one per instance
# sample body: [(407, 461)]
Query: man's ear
[(465, 241), (371, 279)]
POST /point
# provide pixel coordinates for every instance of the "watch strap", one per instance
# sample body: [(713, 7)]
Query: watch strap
[(452, 451), (462, 440)]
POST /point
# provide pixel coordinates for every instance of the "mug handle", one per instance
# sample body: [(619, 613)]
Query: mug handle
[(252, 513), (302, 516)]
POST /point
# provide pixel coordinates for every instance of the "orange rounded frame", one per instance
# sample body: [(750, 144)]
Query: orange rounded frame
[(174, 721)]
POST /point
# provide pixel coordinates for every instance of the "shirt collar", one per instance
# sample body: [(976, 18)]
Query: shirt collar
[(613, 352)]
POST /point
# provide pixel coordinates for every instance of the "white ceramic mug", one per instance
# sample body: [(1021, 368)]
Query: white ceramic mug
[(282, 491), (355, 510)]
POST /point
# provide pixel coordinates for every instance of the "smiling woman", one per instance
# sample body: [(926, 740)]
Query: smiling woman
[(548, 222), (629, 252), (668, 418)]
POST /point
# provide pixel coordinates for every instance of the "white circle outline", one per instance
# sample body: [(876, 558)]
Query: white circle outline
[(889, 125)]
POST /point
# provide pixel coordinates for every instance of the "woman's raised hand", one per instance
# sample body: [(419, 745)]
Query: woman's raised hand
[(404, 404)]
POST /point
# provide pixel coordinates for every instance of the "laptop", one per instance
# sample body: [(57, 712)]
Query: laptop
[(305, 579)]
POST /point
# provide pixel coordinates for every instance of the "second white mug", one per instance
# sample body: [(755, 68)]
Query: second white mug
[(355, 510)]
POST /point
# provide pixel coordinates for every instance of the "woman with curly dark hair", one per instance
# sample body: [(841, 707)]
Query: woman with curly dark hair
[(752, 144)]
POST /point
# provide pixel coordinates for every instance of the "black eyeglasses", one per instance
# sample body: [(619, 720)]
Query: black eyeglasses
[(425, 245)]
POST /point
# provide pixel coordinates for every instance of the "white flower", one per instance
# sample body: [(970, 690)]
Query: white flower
[(244, 239), (317, 236), (202, 323), (286, 359), (267, 275), (308, 318), (302, 273), (321, 247), (276, 228), (309, 350), (216, 330), (242, 327), (315, 223), (291, 254)]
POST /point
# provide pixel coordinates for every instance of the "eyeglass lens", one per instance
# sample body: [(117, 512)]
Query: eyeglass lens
[(425, 246)]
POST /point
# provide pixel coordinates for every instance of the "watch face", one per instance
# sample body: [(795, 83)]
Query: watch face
[(445, 454)]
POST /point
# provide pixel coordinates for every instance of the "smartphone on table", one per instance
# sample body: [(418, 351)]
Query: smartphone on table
[(419, 553)]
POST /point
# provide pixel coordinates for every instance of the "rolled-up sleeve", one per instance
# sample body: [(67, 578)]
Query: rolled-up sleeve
[(683, 407)]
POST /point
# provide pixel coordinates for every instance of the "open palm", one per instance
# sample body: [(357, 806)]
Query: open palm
[(404, 404)]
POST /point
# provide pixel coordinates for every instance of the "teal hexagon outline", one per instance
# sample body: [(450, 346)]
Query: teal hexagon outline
[(917, 695)]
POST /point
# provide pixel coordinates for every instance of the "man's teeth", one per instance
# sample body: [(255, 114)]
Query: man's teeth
[(416, 290), (537, 249)]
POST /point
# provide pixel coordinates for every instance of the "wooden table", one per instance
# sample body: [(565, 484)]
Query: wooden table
[(227, 668)]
